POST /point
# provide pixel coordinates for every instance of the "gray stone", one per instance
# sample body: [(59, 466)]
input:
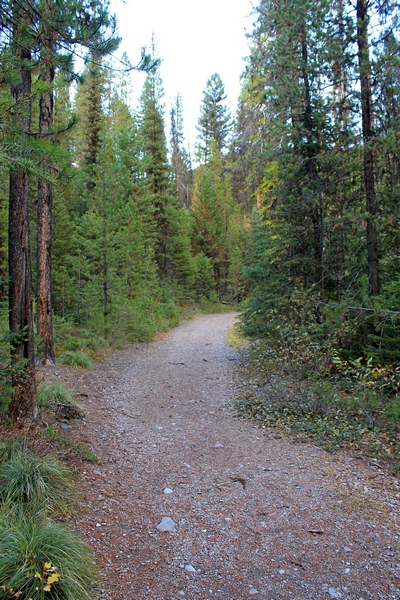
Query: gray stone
[(166, 524), (334, 593)]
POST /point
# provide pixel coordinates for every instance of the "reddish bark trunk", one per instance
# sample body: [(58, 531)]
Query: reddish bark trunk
[(44, 235), (23, 404)]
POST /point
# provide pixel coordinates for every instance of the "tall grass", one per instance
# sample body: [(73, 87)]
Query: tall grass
[(60, 398), (43, 560), (75, 359), (34, 481), (39, 559)]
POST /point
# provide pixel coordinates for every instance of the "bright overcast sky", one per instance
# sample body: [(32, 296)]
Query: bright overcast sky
[(195, 38)]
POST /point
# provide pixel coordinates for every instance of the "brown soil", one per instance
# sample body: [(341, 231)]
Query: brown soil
[(254, 515)]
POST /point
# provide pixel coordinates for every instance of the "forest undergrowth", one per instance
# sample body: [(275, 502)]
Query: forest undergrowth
[(311, 394)]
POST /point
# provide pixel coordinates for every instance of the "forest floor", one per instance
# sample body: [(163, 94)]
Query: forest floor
[(251, 513)]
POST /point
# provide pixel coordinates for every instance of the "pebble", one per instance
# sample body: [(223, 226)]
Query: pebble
[(190, 569), (253, 591), (168, 490), (166, 524), (65, 426), (334, 593)]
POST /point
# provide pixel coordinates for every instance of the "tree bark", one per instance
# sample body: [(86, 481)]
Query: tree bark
[(23, 404), (44, 230), (368, 138), (317, 208)]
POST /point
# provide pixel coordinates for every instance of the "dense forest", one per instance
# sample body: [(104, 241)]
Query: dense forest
[(111, 231), (289, 209)]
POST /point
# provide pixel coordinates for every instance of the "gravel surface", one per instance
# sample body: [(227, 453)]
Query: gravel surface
[(189, 501)]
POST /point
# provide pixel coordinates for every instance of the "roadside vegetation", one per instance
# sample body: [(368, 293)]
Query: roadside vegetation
[(300, 380), (39, 557)]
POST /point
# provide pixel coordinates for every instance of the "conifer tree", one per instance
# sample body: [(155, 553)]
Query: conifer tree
[(367, 119), (180, 157), (23, 403), (158, 169), (58, 28), (318, 74), (215, 120), (217, 224)]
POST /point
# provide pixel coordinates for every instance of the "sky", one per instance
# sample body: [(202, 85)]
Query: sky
[(195, 39)]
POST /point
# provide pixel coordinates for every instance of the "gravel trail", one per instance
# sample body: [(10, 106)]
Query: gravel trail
[(252, 514)]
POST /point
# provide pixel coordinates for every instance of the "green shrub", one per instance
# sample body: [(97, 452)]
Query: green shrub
[(34, 481), (393, 412), (75, 359), (42, 560)]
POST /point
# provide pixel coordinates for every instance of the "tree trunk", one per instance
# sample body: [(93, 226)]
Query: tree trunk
[(368, 137), (317, 208), (44, 234), (23, 404)]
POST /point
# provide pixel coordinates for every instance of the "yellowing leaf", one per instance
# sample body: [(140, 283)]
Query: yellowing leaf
[(47, 588), (53, 578), (47, 565), (38, 575)]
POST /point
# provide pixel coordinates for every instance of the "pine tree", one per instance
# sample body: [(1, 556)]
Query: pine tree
[(60, 25), (215, 121), (217, 224), (23, 403), (158, 170), (180, 158), (45, 193), (367, 119)]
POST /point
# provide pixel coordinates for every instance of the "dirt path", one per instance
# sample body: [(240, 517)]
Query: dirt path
[(253, 514)]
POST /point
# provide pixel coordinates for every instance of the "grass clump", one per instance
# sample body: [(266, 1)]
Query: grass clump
[(40, 559), (50, 392), (59, 398), (76, 359), (85, 452), (35, 481), (235, 338), (10, 447)]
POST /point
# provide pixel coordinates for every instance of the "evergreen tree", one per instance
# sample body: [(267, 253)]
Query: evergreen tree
[(318, 74), (58, 28), (180, 157), (23, 403), (218, 225), (367, 119), (158, 170), (215, 121)]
